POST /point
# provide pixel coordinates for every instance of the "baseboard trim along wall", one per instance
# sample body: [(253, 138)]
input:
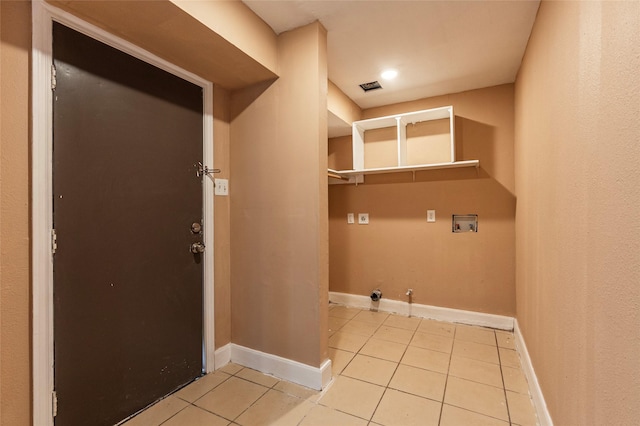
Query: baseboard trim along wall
[(222, 356), (319, 378), (424, 311), (463, 317), (544, 418), (282, 368)]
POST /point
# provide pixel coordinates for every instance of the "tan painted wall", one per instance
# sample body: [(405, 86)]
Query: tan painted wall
[(400, 250), (340, 153), (279, 277), (341, 105), (239, 25), (185, 34), (15, 332), (222, 219), (578, 245)]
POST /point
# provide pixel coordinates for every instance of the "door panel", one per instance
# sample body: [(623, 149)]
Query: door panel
[(127, 290)]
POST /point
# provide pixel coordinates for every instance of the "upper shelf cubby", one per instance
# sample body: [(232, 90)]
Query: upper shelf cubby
[(420, 140), (427, 134)]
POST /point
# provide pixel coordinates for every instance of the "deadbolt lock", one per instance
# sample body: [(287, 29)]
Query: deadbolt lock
[(197, 248), (196, 228)]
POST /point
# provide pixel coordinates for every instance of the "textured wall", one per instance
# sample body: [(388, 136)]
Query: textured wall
[(578, 244), (239, 25), (15, 332), (278, 193), (222, 220), (223, 42), (400, 250), (341, 106)]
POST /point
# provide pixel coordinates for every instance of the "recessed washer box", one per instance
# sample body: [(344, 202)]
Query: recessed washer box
[(464, 223)]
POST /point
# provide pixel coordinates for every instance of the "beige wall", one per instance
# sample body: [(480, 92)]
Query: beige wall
[(222, 219), (400, 250), (341, 105), (15, 369), (239, 25), (186, 34), (578, 245), (279, 277), (340, 154)]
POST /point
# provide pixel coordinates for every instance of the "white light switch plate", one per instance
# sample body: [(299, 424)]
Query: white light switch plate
[(363, 218), (221, 187), (351, 218), (431, 215)]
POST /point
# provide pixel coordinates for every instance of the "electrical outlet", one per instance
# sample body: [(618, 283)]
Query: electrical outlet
[(431, 215), (363, 218), (351, 218), (221, 187)]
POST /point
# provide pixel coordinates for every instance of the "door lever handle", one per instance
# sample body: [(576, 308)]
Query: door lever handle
[(197, 248), (204, 170)]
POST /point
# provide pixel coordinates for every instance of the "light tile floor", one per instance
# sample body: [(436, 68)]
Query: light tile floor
[(388, 370)]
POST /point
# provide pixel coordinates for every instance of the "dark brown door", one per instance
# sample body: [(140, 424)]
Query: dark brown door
[(127, 289)]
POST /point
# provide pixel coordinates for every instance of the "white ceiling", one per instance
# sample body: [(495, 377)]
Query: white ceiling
[(437, 47)]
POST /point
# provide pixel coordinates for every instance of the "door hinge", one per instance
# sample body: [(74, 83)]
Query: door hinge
[(54, 241), (54, 400), (53, 77)]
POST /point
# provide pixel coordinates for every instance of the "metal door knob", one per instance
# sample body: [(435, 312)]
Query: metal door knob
[(197, 247)]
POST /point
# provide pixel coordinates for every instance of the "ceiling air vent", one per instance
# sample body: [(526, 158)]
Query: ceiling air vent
[(370, 86)]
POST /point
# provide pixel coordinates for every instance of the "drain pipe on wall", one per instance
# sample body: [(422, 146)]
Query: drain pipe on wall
[(409, 295)]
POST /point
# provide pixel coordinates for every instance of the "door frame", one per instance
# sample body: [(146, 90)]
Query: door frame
[(43, 15)]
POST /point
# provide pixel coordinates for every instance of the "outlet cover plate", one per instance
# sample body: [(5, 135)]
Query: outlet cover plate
[(431, 215), (221, 187), (351, 218)]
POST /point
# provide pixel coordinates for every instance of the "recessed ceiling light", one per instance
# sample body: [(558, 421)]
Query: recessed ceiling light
[(389, 74)]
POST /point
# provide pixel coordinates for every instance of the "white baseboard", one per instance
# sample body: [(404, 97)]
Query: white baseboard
[(458, 316), (222, 356), (424, 311), (282, 368), (544, 418)]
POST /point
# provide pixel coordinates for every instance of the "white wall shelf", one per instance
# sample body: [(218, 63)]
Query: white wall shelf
[(337, 177), (435, 166), (415, 147)]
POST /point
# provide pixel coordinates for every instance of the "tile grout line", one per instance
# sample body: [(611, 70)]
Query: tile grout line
[(259, 398), (211, 390), (175, 414), (504, 388), (240, 378), (351, 360), (363, 345), (446, 380), (356, 354), (189, 403), (386, 388), (407, 345)]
